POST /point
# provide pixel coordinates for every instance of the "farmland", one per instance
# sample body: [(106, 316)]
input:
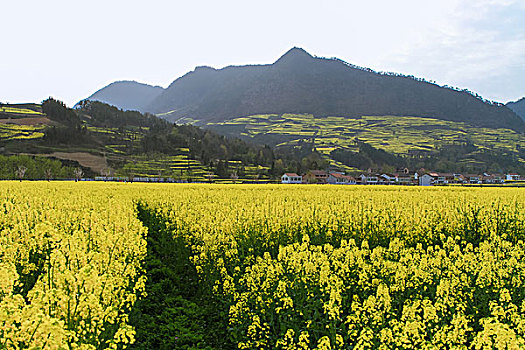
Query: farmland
[(22, 122), (25, 110), (395, 134), (98, 265), (409, 138)]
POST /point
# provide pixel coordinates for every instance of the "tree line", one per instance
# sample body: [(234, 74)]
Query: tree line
[(20, 167)]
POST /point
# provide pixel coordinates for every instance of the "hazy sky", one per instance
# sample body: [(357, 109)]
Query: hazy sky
[(69, 49)]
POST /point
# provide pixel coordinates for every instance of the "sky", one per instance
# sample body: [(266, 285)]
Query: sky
[(69, 49)]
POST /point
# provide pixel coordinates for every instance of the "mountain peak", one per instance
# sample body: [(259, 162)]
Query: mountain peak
[(295, 54), (127, 95), (518, 107), (204, 68)]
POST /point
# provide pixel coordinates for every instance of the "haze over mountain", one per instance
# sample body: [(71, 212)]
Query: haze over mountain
[(127, 95), (300, 83), (518, 107)]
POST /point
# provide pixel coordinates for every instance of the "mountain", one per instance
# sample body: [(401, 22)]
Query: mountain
[(518, 107), (127, 95), (300, 83)]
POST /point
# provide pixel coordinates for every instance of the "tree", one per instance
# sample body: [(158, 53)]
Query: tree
[(48, 174), (78, 174), (105, 172), (189, 174), (20, 172), (234, 176)]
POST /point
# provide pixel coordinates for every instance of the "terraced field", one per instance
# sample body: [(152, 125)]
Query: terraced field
[(9, 132), (179, 166), (395, 134), (182, 167), (22, 122), (21, 111)]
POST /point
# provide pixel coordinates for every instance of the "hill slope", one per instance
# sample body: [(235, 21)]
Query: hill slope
[(413, 142), (300, 83), (518, 107), (103, 139), (127, 95), (106, 140)]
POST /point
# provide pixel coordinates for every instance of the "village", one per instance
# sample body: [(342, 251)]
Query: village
[(402, 177)]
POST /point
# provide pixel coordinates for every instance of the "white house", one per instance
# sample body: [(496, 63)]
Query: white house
[(473, 178), (291, 178), (512, 177), (369, 179), (492, 178), (388, 179), (426, 180)]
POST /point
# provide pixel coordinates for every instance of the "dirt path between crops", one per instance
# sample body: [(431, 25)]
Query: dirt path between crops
[(27, 121), (88, 160)]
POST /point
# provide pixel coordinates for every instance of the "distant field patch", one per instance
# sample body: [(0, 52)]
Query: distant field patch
[(395, 134), (11, 132), (27, 121), (20, 111), (88, 160)]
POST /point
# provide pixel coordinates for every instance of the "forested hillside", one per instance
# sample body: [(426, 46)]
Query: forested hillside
[(105, 140)]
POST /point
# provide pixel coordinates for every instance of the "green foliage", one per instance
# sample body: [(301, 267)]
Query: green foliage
[(177, 312), (58, 111), (104, 115), (72, 135), (36, 167), (368, 157)]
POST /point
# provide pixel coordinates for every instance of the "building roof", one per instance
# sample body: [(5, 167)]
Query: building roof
[(318, 172), (341, 176), (291, 175)]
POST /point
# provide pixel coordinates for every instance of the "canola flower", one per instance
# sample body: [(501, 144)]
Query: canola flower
[(334, 267), (316, 267), (70, 266)]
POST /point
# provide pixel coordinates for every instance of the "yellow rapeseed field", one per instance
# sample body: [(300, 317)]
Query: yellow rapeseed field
[(298, 267)]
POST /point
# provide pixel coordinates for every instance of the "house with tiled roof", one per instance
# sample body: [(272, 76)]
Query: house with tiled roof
[(316, 176), (340, 179)]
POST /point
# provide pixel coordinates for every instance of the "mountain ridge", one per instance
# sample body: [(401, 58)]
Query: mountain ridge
[(298, 82)]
